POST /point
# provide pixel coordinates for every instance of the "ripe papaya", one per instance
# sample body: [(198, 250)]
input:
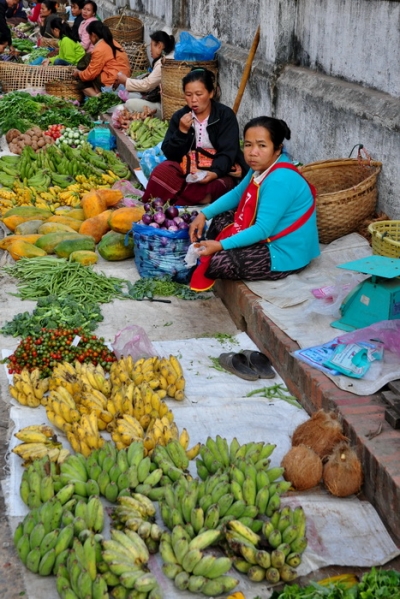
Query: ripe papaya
[(23, 249), (7, 241), (92, 204), (111, 196), (84, 257), (68, 246), (97, 226), (112, 247), (48, 242), (51, 227), (122, 219), (66, 220), (29, 227), (76, 213)]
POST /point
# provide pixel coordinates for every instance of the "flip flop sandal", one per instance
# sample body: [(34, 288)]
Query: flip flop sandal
[(238, 364), (259, 363)]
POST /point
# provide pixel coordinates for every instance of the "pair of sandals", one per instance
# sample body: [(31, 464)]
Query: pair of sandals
[(248, 365)]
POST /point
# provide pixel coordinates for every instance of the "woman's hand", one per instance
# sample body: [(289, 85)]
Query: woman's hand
[(209, 177), (75, 73), (207, 248), (196, 227), (186, 122), (121, 78), (45, 63)]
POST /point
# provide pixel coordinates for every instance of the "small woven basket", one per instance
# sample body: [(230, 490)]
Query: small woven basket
[(48, 42), (385, 238), (173, 71), (23, 76), (347, 194), (69, 90), (138, 59), (125, 29)]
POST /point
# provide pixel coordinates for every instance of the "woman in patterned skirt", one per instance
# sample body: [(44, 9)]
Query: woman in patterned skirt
[(266, 227)]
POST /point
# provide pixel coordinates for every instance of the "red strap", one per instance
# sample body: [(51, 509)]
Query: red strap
[(302, 219)]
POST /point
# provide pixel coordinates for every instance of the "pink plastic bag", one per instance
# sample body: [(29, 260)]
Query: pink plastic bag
[(133, 341), (386, 331)]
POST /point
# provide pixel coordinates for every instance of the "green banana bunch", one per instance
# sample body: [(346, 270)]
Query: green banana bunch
[(171, 461), (136, 513), (37, 484), (283, 535), (185, 563)]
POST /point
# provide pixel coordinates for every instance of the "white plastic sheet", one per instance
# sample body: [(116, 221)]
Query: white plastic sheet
[(340, 531)]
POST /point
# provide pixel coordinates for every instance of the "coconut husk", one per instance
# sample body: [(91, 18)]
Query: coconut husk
[(321, 433), (303, 467), (342, 473)]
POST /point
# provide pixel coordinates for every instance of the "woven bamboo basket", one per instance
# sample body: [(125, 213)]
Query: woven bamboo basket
[(62, 14), (173, 71), (125, 29), (385, 238), (69, 90), (138, 59), (170, 105), (48, 42), (23, 76), (347, 194)]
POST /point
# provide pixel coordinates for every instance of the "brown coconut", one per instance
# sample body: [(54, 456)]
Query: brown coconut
[(303, 467), (342, 472), (321, 433)]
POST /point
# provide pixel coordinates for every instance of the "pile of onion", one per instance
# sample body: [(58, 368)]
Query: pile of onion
[(342, 473), (160, 215), (321, 433), (303, 467)]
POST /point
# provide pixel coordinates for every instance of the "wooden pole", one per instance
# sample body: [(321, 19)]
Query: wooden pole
[(246, 72)]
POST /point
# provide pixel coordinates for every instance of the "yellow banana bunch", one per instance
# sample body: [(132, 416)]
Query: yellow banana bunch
[(28, 389), (37, 444), (61, 409), (84, 436), (36, 433), (94, 377), (127, 430)]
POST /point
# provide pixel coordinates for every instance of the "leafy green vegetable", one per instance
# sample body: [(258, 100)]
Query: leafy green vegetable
[(38, 110), (164, 287), (317, 591), (98, 104), (380, 584), (53, 312)]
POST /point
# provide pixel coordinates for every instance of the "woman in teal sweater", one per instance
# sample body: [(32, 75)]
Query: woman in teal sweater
[(70, 50), (265, 228)]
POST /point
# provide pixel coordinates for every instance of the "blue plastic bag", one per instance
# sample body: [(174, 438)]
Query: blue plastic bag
[(149, 159), (191, 48), (101, 137), (159, 252)]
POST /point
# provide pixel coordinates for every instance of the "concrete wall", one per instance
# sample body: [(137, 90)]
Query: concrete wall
[(330, 68)]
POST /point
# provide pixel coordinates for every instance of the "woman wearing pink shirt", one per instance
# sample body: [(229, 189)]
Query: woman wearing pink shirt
[(89, 11)]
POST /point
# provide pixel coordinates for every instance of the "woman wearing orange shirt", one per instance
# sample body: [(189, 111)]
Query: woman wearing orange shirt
[(107, 60)]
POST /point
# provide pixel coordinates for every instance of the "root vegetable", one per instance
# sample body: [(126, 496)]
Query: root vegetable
[(342, 474), (12, 134), (321, 433), (303, 467)]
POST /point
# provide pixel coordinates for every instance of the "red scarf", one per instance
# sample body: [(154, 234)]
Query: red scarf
[(244, 218)]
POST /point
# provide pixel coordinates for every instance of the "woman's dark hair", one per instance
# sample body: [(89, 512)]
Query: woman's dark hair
[(164, 38), (50, 5), (79, 3), (203, 75), (103, 33), (65, 29), (93, 5), (278, 129)]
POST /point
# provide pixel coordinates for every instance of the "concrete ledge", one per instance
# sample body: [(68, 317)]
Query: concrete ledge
[(125, 148), (360, 415)]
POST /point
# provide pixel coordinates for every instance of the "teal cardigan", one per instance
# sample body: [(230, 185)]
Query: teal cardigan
[(284, 196)]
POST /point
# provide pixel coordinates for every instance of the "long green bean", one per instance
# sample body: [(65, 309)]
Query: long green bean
[(40, 277)]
